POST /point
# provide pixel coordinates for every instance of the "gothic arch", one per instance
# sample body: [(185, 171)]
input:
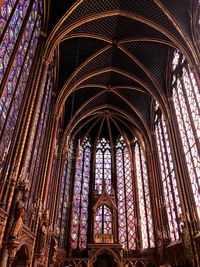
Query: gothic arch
[(22, 256), (109, 251)]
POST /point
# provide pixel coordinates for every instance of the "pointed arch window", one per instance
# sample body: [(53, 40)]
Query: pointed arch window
[(186, 99), (145, 211), (126, 211), (103, 220), (20, 30), (171, 199), (103, 165), (80, 199)]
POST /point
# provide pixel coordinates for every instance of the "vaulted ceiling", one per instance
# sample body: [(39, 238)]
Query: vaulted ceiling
[(112, 60)]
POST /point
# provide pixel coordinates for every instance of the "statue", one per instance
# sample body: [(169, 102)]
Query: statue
[(3, 158), (185, 235), (43, 230), (186, 239), (22, 189), (54, 247), (55, 243), (18, 218)]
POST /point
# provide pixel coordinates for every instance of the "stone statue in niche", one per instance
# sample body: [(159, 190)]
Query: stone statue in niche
[(22, 189), (3, 159), (44, 223), (186, 239), (185, 235), (55, 243)]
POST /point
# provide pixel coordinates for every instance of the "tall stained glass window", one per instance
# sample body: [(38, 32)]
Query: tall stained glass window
[(5, 13), (20, 24), (35, 154), (171, 199), (145, 212), (63, 204), (80, 199), (12, 17), (103, 220), (186, 98), (126, 212), (103, 166)]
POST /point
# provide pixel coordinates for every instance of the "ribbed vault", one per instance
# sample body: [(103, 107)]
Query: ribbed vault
[(112, 61)]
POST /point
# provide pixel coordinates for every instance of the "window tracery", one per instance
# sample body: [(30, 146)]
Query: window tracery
[(145, 211), (64, 200), (103, 220), (5, 12), (126, 211), (171, 198), (13, 15), (80, 198), (186, 99), (11, 29), (103, 166), (36, 149), (33, 159)]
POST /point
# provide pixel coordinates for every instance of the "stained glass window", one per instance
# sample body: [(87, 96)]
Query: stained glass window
[(126, 212), (64, 204), (5, 12), (11, 18), (80, 199), (51, 188), (103, 166), (15, 67), (170, 189), (35, 154), (186, 98), (103, 220), (146, 222)]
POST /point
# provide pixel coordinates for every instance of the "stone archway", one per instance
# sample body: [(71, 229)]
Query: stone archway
[(21, 257), (112, 250), (139, 264), (105, 260)]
